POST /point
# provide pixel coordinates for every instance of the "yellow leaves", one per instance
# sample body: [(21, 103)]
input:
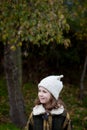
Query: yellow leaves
[(81, 36), (66, 43), (51, 2), (38, 37), (59, 38), (20, 44), (4, 36), (85, 118), (61, 16), (13, 48)]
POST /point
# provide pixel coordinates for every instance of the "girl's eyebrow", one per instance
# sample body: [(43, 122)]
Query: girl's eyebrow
[(42, 90)]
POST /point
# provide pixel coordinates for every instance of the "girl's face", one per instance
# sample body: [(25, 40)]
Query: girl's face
[(44, 95)]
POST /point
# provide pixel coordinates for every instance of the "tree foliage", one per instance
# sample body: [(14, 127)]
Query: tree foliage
[(78, 17), (37, 21), (78, 23)]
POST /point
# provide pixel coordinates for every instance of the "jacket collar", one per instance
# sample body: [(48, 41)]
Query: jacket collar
[(39, 109)]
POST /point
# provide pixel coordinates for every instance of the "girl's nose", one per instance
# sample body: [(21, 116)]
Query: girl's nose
[(40, 94)]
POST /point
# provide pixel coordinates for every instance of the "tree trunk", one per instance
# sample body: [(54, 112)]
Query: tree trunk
[(82, 79), (13, 71)]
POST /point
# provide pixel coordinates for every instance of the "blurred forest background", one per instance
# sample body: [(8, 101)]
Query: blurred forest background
[(40, 38)]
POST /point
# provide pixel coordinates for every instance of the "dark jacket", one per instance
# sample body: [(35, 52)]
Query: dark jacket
[(45, 121)]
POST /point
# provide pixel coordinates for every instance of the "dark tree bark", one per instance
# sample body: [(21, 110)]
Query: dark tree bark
[(82, 79), (12, 64)]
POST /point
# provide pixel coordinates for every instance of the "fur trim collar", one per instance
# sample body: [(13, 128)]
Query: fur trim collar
[(39, 109)]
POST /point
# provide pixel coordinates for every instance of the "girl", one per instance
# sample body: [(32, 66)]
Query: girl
[(49, 112)]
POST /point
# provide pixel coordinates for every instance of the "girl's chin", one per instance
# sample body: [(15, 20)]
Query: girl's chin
[(42, 102)]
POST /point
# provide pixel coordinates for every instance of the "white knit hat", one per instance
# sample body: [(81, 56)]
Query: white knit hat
[(52, 84)]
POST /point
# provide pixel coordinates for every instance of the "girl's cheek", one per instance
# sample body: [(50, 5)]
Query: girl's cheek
[(39, 94)]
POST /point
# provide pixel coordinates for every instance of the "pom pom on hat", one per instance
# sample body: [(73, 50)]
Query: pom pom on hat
[(52, 84)]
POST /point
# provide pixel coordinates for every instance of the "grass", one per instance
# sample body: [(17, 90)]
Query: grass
[(8, 126), (76, 108)]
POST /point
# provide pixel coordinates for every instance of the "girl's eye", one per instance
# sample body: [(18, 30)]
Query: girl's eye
[(44, 91)]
